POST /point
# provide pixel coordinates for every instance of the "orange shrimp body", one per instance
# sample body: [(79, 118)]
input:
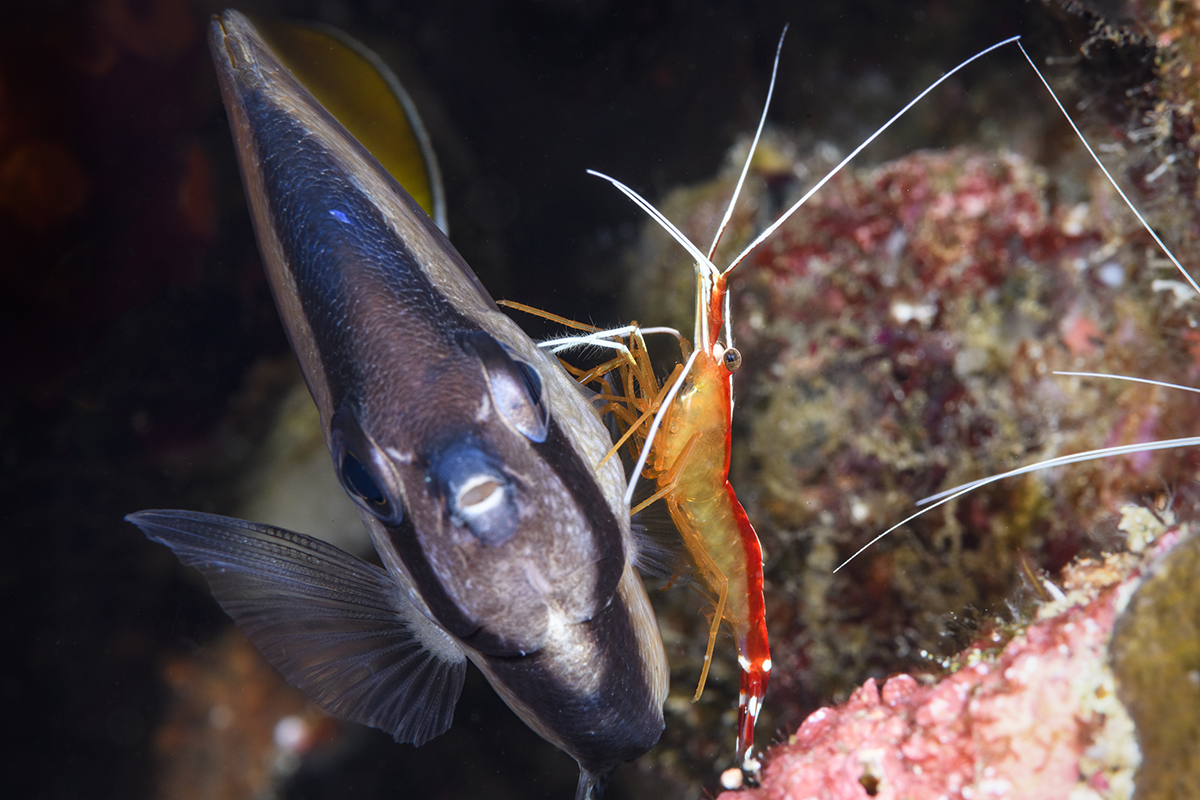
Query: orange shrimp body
[(691, 466)]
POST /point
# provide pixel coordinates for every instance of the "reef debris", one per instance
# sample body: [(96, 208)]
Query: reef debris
[(1041, 717)]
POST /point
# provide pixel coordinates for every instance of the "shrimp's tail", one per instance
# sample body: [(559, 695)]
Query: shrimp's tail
[(754, 686)]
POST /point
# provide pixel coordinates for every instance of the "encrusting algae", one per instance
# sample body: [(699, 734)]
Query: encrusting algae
[(1156, 659), (1045, 717)]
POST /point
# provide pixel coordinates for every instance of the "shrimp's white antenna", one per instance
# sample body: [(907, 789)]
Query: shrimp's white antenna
[(775, 225), (940, 498), (1089, 455), (658, 418), (737, 190), (658, 217), (1108, 175), (1131, 379)]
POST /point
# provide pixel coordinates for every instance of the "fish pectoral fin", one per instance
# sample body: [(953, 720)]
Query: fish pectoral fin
[(658, 550), (336, 627)]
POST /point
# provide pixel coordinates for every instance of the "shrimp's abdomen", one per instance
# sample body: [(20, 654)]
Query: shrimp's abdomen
[(692, 459)]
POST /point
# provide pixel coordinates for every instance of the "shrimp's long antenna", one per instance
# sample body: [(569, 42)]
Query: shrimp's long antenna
[(658, 217), (1061, 461), (1108, 175), (941, 498), (775, 225), (1129, 378), (737, 190), (1101, 453)]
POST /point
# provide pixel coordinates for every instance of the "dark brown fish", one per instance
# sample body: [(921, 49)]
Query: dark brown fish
[(470, 454)]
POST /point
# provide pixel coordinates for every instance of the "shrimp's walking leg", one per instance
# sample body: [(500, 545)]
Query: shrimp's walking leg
[(716, 580)]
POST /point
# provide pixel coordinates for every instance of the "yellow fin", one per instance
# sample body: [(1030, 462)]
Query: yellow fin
[(363, 94)]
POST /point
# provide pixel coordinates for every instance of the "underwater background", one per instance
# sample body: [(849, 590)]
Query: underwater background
[(145, 366)]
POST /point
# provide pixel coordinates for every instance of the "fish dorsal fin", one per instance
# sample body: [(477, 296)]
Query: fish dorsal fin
[(362, 93), (336, 627)]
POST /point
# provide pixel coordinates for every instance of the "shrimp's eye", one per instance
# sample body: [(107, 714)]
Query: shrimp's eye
[(732, 359)]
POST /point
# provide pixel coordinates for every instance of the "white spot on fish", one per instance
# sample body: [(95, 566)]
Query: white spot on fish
[(400, 458), (535, 577)]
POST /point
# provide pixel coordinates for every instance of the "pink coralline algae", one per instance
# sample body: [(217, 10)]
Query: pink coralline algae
[(1039, 719)]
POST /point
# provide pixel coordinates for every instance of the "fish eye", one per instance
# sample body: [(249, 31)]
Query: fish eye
[(364, 489), (732, 359), (357, 477), (478, 495), (360, 483)]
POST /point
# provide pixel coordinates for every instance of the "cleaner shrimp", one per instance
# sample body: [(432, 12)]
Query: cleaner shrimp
[(684, 432)]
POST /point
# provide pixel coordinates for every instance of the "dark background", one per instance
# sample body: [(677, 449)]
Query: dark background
[(133, 306)]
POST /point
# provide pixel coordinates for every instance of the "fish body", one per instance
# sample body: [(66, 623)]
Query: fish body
[(468, 451)]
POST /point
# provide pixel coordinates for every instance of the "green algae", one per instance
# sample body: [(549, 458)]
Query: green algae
[(1156, 658)]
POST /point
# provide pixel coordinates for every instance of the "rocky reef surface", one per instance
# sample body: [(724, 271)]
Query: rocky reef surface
[(1041, 717), (900, 336)]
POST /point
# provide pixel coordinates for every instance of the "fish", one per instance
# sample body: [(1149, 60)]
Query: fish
[(470, 455)]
